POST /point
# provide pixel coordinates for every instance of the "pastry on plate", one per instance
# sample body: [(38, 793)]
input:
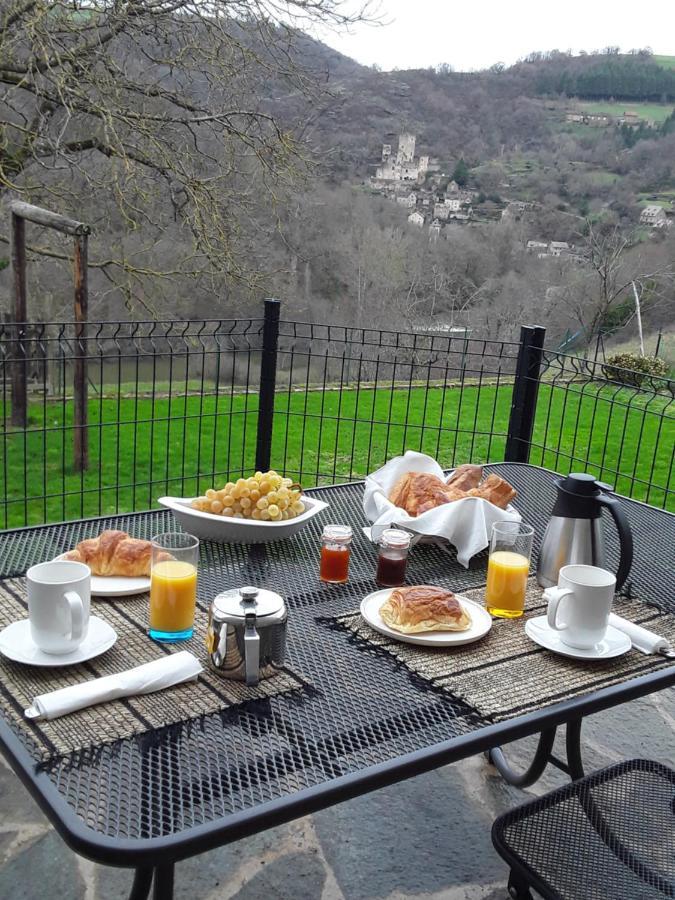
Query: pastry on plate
[(424, 608), (114, 553)]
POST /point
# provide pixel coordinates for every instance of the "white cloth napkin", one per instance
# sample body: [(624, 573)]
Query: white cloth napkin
[(641, 638), (465, 523), (153, 676)]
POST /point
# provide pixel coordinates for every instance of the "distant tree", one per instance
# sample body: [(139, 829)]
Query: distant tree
[(164, 113), (460, 173)]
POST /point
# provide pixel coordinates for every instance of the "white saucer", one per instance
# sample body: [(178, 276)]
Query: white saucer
[(615, 643), (16, 644), (481, 623), (116, 585)]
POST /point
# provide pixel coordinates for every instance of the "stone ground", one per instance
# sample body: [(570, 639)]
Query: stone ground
[(428, 837)]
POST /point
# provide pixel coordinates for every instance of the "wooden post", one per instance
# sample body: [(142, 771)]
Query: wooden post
[(81, 437), (19, 349), (22, 212)]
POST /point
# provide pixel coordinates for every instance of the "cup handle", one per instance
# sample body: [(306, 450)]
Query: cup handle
[(554, 595), (76, 607)]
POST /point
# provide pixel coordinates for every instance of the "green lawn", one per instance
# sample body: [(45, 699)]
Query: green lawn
[(656, 112), (668, 62), (142, 448)]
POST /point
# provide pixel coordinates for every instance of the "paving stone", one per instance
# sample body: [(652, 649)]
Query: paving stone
[(46, 868), (635, 729), (297, 875), (418, 837), (16, 803)]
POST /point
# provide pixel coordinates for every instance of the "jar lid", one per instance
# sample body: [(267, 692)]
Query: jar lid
[(339, 534), (394, 537), (238, 601)]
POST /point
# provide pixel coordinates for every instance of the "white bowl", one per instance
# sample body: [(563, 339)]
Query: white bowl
[(228, 530)]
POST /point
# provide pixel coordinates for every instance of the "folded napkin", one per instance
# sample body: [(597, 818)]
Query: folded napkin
[(641, 638), (465, 523), (153, 676)]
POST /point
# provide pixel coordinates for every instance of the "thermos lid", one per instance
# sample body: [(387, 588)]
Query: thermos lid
[(580, 483), (236, 603)]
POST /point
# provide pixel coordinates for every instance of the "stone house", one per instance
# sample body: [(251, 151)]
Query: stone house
[(435, 229), (536, 247), (408, 200), (558, 248), (654, 216), (416, 218)]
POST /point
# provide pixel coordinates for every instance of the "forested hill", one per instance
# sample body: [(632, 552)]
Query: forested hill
[(478, 115), (621, 77)]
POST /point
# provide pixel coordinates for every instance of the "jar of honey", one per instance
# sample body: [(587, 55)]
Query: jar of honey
[(392, 557), (335, 551)]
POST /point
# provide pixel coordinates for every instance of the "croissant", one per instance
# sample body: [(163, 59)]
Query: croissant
[(496, 490), (114, 553), (424, 608), (415, 490)]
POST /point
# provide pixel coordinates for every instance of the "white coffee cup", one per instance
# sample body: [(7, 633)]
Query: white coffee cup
[(583, 601), (58, 605)]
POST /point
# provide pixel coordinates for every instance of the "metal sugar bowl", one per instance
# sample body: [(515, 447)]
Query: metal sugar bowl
[(246, 636)]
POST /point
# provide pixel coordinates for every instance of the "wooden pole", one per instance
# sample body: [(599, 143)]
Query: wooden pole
[(81, 442), (19, 366)]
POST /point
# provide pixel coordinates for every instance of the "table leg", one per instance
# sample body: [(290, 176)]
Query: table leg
[(141, 886), (541, 759), (163, 888), (575, 763)]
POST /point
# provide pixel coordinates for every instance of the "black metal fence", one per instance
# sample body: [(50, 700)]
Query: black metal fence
[(174, 407)]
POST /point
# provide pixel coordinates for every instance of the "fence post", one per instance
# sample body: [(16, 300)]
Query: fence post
[(19, 349), (524, 398), (268, 378), (80, 399)]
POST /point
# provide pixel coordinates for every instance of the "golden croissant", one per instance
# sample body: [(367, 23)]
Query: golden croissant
[(114, 553), (417, 492)]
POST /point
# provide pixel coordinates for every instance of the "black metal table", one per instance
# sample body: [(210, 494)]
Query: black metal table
[(150, 801)]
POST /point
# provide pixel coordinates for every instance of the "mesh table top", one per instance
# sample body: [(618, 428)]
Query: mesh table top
[(363, 710)]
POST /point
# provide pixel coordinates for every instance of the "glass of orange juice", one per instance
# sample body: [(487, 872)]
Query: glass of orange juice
[(508, 568), (173, 586)]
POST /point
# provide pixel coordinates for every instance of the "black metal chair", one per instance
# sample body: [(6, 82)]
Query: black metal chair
[(609, 836)]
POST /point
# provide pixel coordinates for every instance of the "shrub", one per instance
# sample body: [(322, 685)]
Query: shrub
[(632, 369)]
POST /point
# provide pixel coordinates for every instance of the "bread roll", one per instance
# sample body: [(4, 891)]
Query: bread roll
[(424, 608)]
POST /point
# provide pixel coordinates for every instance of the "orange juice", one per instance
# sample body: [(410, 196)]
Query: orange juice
[(506, 583), (173, 592)]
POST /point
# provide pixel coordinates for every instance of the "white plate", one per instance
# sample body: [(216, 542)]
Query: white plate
[(116, 585), (17, 644), (616, 643), (238, 531), (481, 623)]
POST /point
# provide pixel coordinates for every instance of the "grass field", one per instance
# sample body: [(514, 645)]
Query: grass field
[(655, 112), (142, 448), (667, 62)]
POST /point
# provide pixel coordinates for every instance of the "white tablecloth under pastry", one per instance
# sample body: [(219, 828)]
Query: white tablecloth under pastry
[(464, 523)]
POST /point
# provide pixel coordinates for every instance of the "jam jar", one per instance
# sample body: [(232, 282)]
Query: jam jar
[(392, 557), (335, 550)]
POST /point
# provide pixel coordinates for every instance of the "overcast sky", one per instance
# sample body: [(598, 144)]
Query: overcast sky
[(474, 34)]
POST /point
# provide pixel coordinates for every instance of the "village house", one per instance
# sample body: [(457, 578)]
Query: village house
[(408, 200), (558, 248), (537, 247), (574, 117), (416, 218), (435, 229), (599, 120), (654, 216)]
